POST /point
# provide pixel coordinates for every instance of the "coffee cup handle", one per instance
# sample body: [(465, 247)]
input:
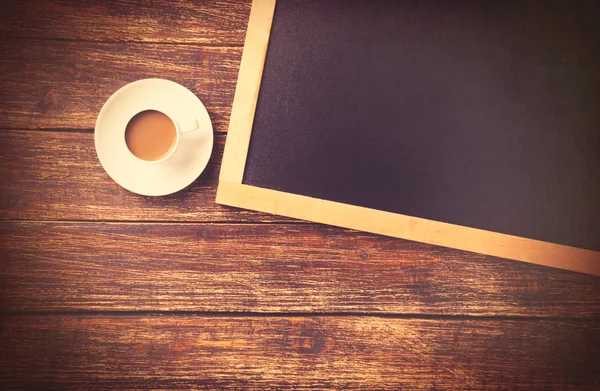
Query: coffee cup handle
[(188, 126)]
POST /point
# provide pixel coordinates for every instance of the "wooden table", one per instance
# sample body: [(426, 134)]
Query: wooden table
[(103, 289)]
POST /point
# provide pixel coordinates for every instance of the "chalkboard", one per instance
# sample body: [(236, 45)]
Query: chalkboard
[(468, 124)]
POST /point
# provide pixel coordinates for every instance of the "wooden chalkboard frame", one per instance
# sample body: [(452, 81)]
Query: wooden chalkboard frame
[(231, 191)]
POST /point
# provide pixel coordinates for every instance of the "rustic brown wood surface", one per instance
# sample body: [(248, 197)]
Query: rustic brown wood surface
[(58, 84), (103, 289), (204, 22), (57, 176), (166, 352), (269, 268)]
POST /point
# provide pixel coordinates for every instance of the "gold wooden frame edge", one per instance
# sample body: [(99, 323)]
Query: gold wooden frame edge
[(246, 91)]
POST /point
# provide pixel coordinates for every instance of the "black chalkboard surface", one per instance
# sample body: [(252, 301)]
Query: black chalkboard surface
[(483, 114)]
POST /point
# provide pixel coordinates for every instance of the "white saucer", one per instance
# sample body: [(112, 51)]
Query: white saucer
[(182, 167)]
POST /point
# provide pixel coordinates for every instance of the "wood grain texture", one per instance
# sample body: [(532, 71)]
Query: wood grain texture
[(271, 268), (409, 227), (207, 22), (174, 352), (57, 176), (57, 84)]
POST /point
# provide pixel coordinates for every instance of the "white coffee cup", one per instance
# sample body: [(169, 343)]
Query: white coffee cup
[(184, 161)]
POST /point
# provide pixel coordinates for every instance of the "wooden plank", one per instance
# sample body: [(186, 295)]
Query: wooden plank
[(409, 227), (175, 352), (209, 22), (269, 268), (57, 84), (57, 176)]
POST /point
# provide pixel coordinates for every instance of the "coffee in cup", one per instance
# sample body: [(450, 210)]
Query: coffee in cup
[(152, 135)]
